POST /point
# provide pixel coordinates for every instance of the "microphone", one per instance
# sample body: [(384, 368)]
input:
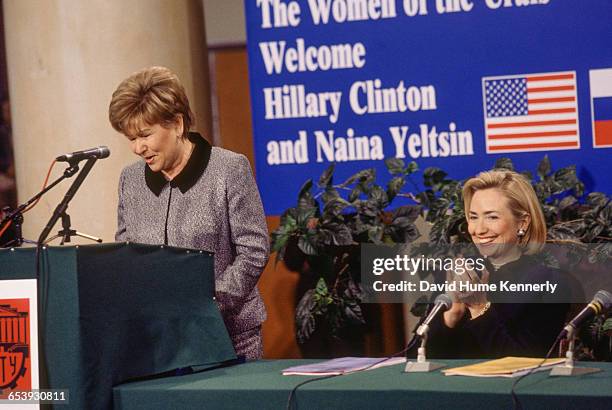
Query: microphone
[(98, 153), (442, 303), (601, 303)]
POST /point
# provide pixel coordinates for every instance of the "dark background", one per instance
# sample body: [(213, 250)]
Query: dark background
[(8, 195)]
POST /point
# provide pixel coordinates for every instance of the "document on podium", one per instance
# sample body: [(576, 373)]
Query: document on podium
[(342, 365), (506, 367)]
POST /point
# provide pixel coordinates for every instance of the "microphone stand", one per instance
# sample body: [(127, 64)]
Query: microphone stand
[(60, 211), (422, 365), (568, 368), (16, 216), (66, 233)]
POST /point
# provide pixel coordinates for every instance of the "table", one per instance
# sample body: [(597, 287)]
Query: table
[(260, 385)]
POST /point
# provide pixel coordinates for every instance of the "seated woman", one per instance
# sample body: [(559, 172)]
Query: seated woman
[(183, 192), (507, 226)]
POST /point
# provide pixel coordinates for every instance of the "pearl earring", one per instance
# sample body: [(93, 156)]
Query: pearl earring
[(520, 233)]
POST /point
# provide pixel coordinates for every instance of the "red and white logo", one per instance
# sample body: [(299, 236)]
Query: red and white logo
[(15, 363), (18, 338)]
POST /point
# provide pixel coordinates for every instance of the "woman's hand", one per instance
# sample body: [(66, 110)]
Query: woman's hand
[(453, 315)]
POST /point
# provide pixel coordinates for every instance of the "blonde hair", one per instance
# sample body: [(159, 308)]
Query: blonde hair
[(522, 201), (150, 96)]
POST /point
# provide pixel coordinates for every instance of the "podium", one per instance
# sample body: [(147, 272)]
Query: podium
[(116, 312)]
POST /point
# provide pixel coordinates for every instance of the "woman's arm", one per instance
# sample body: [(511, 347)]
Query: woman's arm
[(120, 235), (248, 235)]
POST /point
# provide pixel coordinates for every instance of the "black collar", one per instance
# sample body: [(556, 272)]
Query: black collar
[(195, 167)]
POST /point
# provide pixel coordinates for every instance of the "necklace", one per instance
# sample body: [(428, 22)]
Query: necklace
[(496, 266)]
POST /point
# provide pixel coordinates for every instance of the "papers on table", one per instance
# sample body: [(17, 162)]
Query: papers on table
[(506, 367), (342, 365)]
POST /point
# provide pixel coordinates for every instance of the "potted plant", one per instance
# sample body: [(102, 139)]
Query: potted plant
[(320, 238)]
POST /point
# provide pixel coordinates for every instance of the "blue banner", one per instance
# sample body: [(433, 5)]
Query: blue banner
[(454, 84)]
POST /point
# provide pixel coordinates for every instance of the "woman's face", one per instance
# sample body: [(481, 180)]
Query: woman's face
[(491, 224), (160, 146)]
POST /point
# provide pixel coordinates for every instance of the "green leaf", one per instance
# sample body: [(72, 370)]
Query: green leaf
[(366, 208), (402, 222), (305, 188), (544, 167), (403, 231), (426, 198), (566, 179), (303, 215), (353, 314), (335, 207), (305, 199), (412, 168), (375, 234), (306, 246), (394, 186), (605, 216), (411, 212), (601, 253), (355, 193), (321, 288), (341, 234), (395, 165), (287, 221), (597, 199), (439, 208), (562, 232), (527, 175), (363, 175), (329, 194), (353, 290), (379, 196), (438, 233), (304, 317), (567, 202), (325, 179), (595, 230), (279, 241), (433, 177), (504, 163)]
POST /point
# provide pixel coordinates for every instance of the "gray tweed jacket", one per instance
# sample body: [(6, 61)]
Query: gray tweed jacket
[(213, 205)]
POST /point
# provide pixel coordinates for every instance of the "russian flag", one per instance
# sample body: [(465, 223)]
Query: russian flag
[(601, 106)]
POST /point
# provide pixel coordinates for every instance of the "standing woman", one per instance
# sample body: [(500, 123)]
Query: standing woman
[(183, 192)]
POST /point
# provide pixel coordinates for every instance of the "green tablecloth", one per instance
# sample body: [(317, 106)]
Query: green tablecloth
[(260, 385)]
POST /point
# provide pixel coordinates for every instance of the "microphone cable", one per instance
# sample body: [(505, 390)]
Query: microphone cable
[(291, 404), (8, 223), (515, 400)]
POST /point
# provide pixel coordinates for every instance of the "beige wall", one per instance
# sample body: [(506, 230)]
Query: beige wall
[(65, 58), (225, 22)]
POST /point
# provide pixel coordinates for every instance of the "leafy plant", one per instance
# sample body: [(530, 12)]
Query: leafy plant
[(566, 217), (320, 236)]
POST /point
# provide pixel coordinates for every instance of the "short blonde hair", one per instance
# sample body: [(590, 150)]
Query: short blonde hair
[(522, 200), (150, 96)]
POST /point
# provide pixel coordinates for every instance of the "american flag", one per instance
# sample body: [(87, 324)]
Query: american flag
[(531, 112)]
